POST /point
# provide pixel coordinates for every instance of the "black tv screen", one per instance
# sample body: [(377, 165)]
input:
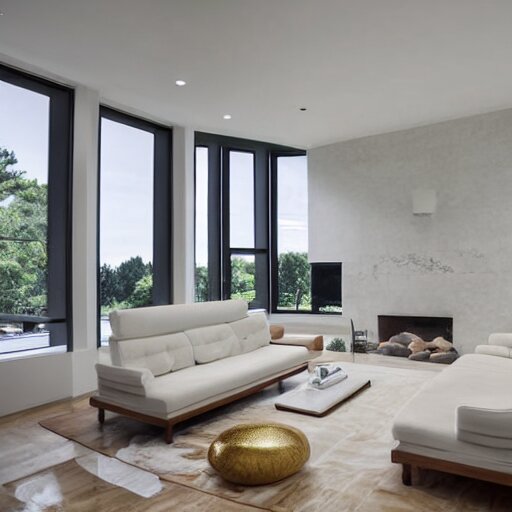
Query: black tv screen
[(326, 287)]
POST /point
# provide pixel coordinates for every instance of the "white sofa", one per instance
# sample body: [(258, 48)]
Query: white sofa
[(173, 362), (461, 421)]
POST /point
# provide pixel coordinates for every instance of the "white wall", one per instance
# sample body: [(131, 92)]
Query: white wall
[(30, 381), (456, 262), (183, 215)]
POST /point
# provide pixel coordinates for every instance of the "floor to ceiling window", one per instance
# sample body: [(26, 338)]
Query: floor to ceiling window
[(201, 225), (35, 177), (290, 194), (135, 219), (236, 237)]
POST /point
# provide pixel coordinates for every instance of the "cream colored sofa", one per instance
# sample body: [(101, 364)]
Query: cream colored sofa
[(461, 421), (173, 362)]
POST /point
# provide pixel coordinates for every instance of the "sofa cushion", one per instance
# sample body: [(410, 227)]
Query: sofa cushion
[(486, 427), (159, 320), (213, 342), (252, 332), (197, 383), (503, 339), (159, 354), (494, 350)]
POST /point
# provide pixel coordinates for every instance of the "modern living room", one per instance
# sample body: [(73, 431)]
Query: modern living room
[(255, 255)]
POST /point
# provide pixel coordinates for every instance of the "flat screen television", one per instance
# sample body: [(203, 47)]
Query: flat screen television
[(326, 287)]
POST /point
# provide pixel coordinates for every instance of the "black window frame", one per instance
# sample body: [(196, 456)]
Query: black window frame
[(265, 218), (274, 198), (58, 318), (162, 292)]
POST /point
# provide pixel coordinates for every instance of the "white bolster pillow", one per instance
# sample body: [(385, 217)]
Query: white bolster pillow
[(487, 427), (494, 350), (501, 338), (131, 380)]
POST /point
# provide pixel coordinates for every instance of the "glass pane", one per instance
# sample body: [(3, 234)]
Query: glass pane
[(241, 199), (243, 273), (201, 271), (294, 279), (126, 219), (24, 147)]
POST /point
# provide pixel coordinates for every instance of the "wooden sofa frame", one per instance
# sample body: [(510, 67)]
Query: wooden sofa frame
[(168, 424), (413, 463)]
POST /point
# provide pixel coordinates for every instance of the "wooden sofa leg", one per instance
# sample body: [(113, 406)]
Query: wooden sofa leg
[(101, 415), (407, 474), (168, 433)]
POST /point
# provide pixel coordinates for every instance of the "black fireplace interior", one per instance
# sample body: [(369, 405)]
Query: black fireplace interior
[(426, 327), (325, 286)]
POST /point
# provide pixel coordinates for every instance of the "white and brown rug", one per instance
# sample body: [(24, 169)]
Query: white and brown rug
[(349, 468)]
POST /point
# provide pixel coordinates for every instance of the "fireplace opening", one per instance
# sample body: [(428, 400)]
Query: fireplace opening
[(426, 327), (420, 338)]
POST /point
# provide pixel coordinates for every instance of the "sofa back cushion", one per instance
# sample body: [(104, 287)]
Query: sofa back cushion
[(252, 332), (213, 342), (159, 354), (159, 320)]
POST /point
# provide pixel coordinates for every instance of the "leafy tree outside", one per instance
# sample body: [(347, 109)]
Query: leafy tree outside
[(23, 236), (294, 281), (130, 285)]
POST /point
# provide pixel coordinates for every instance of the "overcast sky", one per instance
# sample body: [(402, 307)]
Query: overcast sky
[(127, 182)]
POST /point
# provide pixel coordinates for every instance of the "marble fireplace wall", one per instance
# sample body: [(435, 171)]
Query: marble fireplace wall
[(456, 262)]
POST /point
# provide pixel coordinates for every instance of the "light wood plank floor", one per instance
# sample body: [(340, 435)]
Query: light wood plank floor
[(41, 471)]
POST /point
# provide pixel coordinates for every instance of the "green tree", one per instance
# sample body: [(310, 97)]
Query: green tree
[(108, 285), (128, 274), (294, 280), (201, 281), (23, 234), (242, 279), (143, 293)]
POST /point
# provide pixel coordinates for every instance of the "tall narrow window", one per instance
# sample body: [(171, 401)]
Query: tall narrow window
[(201, 226), (35, 151), (246, 247), (134, 242), (293, 269), (241, 199)]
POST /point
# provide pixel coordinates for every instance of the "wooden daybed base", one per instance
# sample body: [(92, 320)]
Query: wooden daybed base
[(168, 425), (413, 463)]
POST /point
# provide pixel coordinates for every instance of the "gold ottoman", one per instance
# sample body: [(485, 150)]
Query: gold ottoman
[(259, 453)]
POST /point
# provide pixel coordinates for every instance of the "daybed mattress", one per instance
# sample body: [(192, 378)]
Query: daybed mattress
[(427, 423)]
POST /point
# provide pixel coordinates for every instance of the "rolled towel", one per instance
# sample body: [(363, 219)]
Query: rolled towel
[(327, 375), (327, 382), (323, 371)]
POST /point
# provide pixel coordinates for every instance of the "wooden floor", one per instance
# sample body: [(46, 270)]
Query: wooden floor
[(40, 470)]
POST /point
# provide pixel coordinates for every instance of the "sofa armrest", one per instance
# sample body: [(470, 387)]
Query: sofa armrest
[(503, 339), (276, 332), (486, 427), (493, 350), (128, 380)]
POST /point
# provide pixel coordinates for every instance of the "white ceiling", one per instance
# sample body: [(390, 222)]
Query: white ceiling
[(360, 66)]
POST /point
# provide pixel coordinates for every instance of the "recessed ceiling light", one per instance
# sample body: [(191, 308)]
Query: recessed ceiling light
[(227, 116), (181, 83)]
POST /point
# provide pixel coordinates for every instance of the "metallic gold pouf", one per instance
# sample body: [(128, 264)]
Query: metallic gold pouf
[(259, 453)]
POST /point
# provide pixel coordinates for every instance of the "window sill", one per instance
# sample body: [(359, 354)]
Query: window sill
[(14, 356)]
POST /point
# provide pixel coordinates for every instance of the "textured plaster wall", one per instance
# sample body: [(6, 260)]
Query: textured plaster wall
[(456, 262)]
